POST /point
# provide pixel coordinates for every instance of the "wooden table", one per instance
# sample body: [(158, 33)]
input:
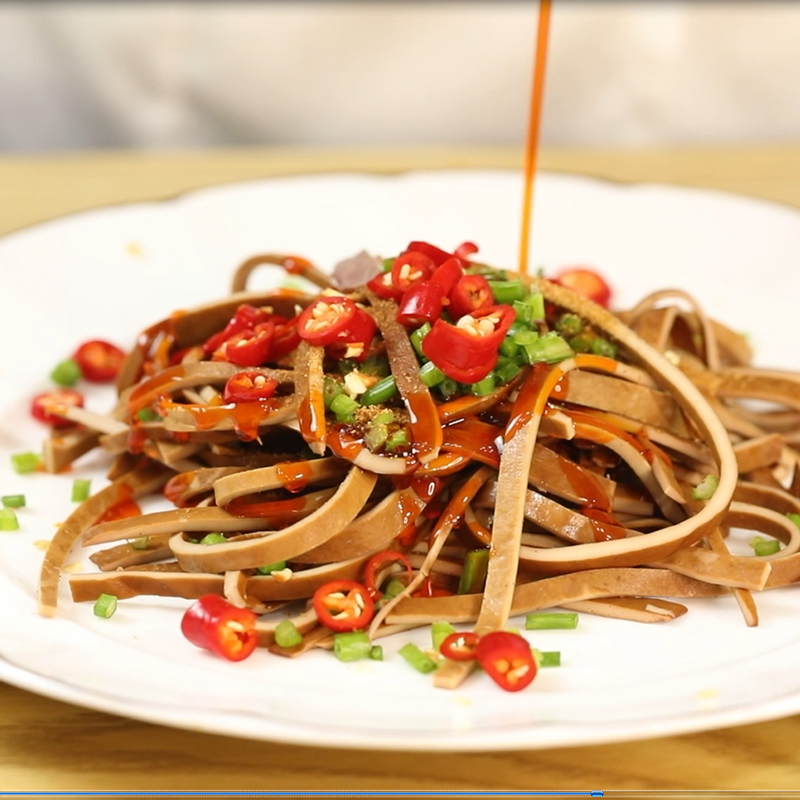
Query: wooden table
[(47, 745)]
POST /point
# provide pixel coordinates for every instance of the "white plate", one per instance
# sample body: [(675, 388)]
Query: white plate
[(108, 273)]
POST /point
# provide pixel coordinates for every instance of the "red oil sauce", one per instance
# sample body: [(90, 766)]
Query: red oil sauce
[(606, 433), (604, 525), (426, 429), (245, 507), (345, 441), (600, 363), (475, 439), (295, 265), (534, 124), (122, 508), (532, 398), (295, 475), (247, 417), (426, 488), (177, 486), (585, 485), (153, 388), (136, 439), (444, 464)]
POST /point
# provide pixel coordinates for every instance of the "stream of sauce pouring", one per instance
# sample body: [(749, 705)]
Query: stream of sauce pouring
[(534, 124)]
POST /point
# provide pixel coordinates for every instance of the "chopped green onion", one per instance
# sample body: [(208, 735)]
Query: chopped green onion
[(506, 292), (393, 588), (376, 365), (385, 389), (524, 312), (536, 302), (473, 575), (105, 606), (8, 520), (25, 462), (384, 417), (569, 325), (376, 652), (602, 347), (794, 518), (344, 406), (483, 387), (507, 372), (547, 658), (376, 435), (387, 264), (420, 661), (80, 489), (567, 620), (140, 543), (66, 373), (397, 439), (439, 632), (550, 348), (213, 538), (417, 336), (525, 336), (268, 569), (287, 635), (331, 389), (581, 344), (147, 415), (13, 501), (351, 646), (448, 388), (430, 374), (706, 488), (765, 547), (508, 347)]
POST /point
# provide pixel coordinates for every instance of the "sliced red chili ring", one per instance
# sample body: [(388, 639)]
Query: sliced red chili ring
[(216, 625), (465, 250), (586, 282), (448, 274), (99, 360), (460, 646), (410, 268), (343, 605), (336, 321), (423, 302), (464, 352), (435, 254), (251, 347), (286, 338), (507, 659), (383, 286), (245, 316), (378, 563), (245, 387), (470, 294), (66, 397)]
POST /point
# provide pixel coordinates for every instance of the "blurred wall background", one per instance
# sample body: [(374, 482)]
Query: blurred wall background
[(164, 75)]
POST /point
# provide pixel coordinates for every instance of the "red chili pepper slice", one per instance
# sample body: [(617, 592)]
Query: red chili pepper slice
[(507, 659), (251, 347), (67, 397), (378, 563), (471, 293), (245, 387), (435, 254), (338, 322), (460, 646), (285, 339), (343, 605), (422, 302), (410, 268), (99, 360), (586, 282), (383, 286), (245, 316), (448, 274), (465, 352), (465, 250), (214, 624)]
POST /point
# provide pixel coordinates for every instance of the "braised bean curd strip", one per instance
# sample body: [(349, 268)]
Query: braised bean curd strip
[(426, 439)]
